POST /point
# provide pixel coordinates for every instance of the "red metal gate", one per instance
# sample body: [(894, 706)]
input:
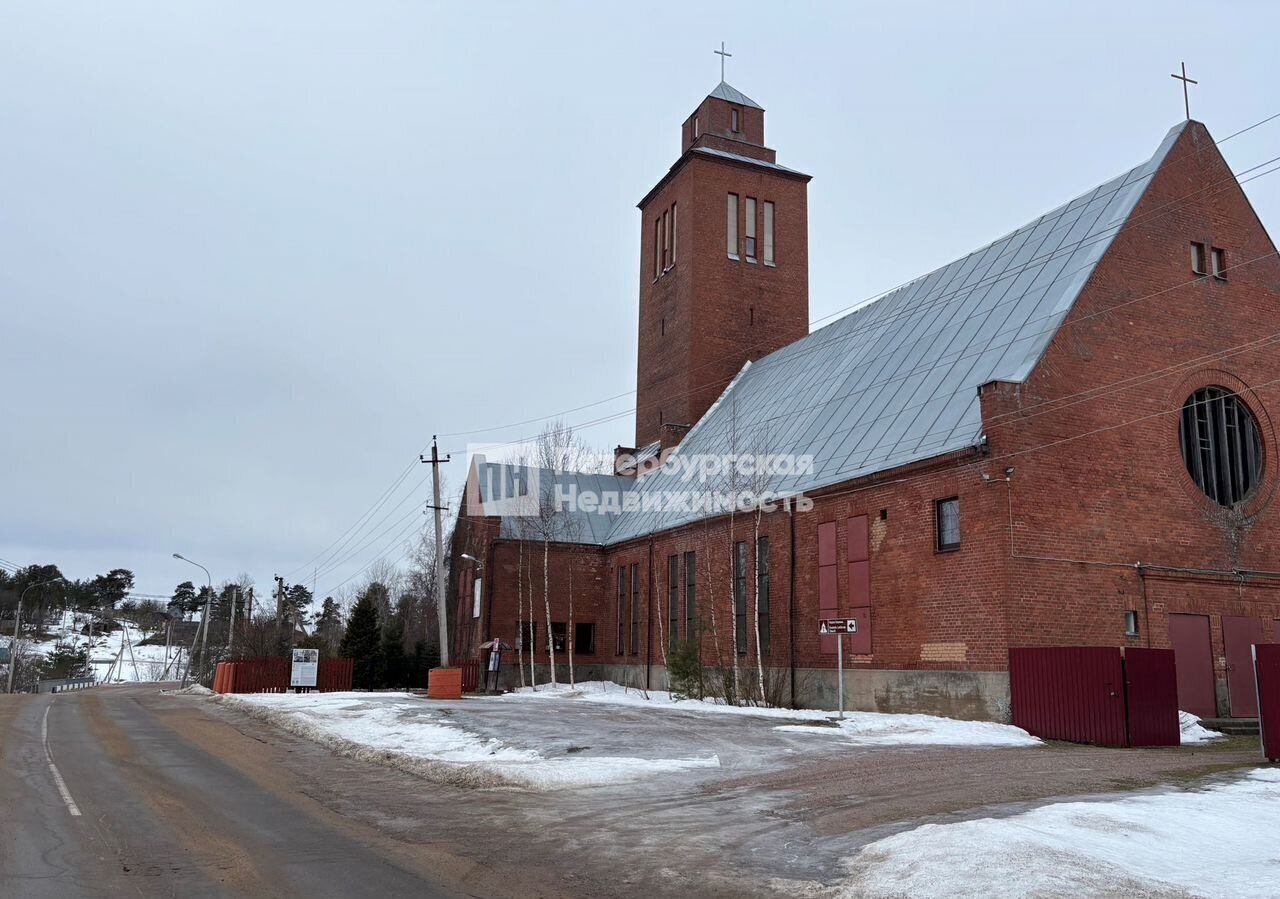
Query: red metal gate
[(1189, 637), (1094, 694), (1073, 693), (470, 674), (1151, 697), (1238, 635), (1266, 660)]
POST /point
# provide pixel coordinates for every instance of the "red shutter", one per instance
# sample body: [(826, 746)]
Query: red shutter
[(828, 586), (858, 555)]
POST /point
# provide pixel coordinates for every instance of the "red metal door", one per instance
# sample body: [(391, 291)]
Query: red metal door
[(1151, 693), (1238, 637), (1193, 652)]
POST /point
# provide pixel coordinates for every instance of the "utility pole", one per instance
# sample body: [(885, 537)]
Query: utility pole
[(441, 615)]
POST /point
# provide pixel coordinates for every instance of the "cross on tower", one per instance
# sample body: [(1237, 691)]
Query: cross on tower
[(722, 54), (1186, 97)]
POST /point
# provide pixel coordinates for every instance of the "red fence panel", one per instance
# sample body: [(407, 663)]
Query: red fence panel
[(334, 675), (1151, 697), (1266, 664), (470, 674), (1073, 693)]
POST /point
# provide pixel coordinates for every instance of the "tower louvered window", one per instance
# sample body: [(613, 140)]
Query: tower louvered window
[(1221, 445)]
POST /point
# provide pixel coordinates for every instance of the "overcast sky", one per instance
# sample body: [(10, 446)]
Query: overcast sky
[(252, 255)]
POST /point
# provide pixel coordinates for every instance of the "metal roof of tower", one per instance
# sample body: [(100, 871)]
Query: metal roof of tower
[(725, 91)]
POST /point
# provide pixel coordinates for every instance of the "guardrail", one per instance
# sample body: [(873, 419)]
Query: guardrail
[(64, 684)]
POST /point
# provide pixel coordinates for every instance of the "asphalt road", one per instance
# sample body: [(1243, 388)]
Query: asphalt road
[(103, 795)]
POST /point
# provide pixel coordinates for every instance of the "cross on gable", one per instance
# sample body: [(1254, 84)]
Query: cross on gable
[(1186, 96)]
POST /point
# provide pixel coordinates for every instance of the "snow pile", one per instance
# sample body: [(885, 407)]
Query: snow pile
[(1193, 732), (398, 729), (109, 655), (863, 728), (1137, 846)]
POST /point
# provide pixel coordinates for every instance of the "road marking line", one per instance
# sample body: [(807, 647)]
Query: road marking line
[(53, 769)]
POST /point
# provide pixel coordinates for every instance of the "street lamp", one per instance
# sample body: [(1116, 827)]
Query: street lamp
[(202, 632), (17, 622), (479, 564), (475, 603)]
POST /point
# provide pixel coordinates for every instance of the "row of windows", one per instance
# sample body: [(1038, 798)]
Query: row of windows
[(1202, 257), (664, 241), (584, 637), (749, 248)]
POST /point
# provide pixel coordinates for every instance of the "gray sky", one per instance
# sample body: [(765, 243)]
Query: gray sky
[(252, 255)]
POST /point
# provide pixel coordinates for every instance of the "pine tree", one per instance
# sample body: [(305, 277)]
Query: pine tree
[(329, 624), (362, 642), (393, 658)]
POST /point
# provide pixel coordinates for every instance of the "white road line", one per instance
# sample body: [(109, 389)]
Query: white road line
[(53, 769)]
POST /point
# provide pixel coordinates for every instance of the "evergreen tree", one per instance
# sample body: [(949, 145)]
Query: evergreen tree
[(394, 663), (329, 625), (297, 605), (362, 642)]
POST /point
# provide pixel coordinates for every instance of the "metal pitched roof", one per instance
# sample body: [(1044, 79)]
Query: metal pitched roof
[(725, 91), (896, 381)]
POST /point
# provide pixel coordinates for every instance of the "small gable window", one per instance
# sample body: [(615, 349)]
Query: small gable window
[(1198, 261), (737, 121), (1219, 256), (947, 518)]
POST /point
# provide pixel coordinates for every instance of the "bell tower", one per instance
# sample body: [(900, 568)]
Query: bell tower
[(724, 265)]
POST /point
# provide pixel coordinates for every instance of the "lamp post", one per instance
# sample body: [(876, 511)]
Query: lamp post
[(202, 632), (479, 569), (17, 622)]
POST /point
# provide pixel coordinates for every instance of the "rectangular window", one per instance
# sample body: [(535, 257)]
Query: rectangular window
[(657, 248), (948, 520), (673, 597), (528, 633), (584, 639), (1198, 259), (732, 232), (1131, 624), (762, 592), (635, 610), (740, 595), (666, 241), (768, 233), (559, 636), (1219, 263), (673, 233), (737, 121), (690, 595), (622, 609), (751, 229), (695, 127)]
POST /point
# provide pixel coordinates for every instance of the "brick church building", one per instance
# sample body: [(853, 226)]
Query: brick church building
[(1062, 438)]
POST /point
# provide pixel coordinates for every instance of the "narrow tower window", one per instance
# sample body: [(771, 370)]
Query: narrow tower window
[(768, 233), (674, 232), (1197, 259), (657, 248), (732, 231), (666, 241), (1219, 263), (751, 229), (737, 121)]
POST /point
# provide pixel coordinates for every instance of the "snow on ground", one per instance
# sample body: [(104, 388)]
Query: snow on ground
[(137, 664), (1193, 732), (399, 729), (1215, 842), (863, 728)]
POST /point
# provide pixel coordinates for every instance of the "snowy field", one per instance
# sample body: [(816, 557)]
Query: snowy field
[(116, 657), (402, 730), (1221, 842), (861, 728)]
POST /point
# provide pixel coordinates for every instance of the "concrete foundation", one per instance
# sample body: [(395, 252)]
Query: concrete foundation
[(968, 695)]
